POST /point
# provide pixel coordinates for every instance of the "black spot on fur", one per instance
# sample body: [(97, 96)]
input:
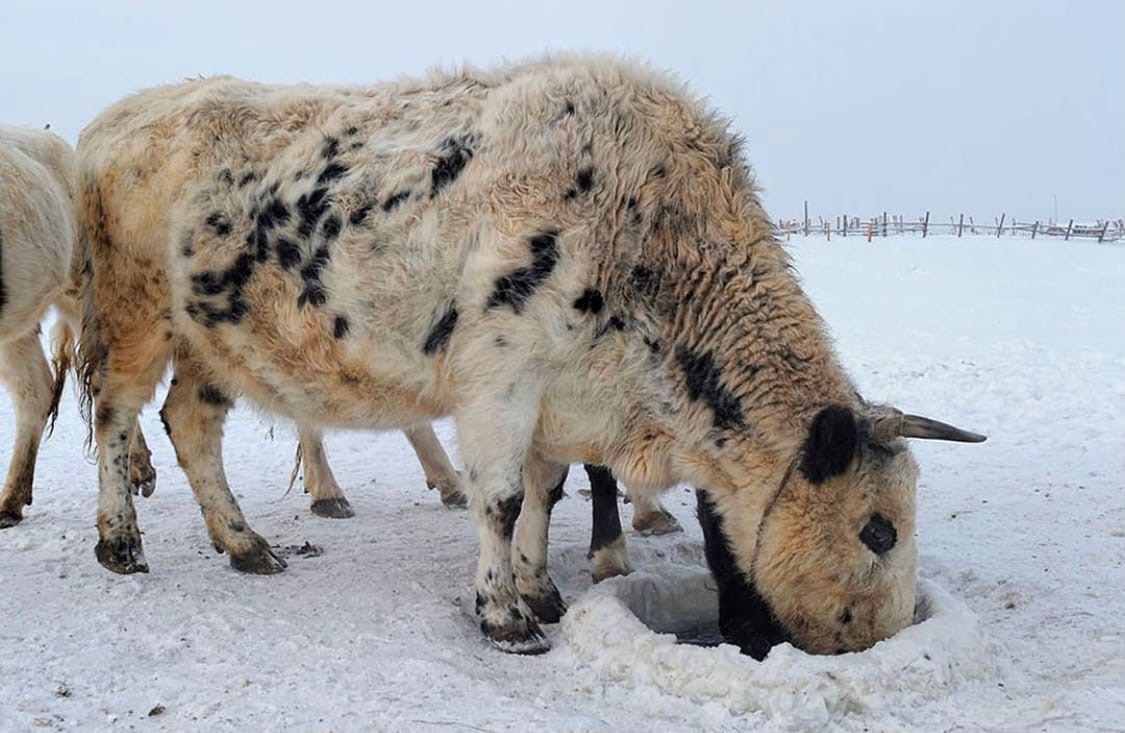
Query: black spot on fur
[(704, 382), (331, 228), (247, 178), (830, 445), (219, 223), (103, 417), (273, 215), (360, 215), (745, 617), (569, 108), (456, 154), (212, 395), (226, 177), (331, 173), (340, 327), (442, 330), (314, 293), (879, 534), (518, 286), (845, 616), (394, 200), (310, 208), (505, 513), (590, 301), (288, 254), (331, 148), (353, 130), (585, 180), (645, 280), (616, 323)]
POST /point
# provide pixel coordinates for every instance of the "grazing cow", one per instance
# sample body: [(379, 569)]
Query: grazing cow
[(568, 256)]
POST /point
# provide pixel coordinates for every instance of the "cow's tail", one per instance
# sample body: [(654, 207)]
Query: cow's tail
[(93, 235), (63, 345)]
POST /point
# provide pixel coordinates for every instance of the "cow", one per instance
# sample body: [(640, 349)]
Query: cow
[(568, 255), (36, 247)]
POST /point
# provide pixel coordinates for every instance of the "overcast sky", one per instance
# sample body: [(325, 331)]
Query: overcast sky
[(951, 105)]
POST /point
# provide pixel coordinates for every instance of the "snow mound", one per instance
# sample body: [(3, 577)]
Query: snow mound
[(624, 628)]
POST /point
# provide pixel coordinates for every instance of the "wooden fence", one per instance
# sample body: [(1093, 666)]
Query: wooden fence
[(898, 225)]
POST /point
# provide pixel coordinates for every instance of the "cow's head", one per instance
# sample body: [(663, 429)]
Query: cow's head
[(833, 559)]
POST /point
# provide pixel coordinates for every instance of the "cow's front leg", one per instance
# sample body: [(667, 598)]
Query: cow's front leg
[(542, 488), (24, 370), (193, 414), (495, 432)]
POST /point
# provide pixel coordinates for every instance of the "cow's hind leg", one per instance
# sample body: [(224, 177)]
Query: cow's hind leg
[(328, 498), (142, 476), (607, 543), (495, 431), (193, 415), (24, 371), (543, 487), (440, 473)]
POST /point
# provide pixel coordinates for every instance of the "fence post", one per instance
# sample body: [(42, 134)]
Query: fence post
[(1035, 229), (1068, 228), (1000, 228), (870, 226), (828, 230), (1105, 228), (960, 225), (925, 225), (884, 224), (845, 231), (806, 218)]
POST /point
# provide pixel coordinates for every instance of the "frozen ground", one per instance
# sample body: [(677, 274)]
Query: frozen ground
[(1022, 539)]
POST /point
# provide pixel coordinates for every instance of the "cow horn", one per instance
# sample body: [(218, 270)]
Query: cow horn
[(914, 426), (893, 424)]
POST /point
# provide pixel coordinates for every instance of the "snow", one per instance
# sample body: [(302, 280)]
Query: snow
[(1022, 543)]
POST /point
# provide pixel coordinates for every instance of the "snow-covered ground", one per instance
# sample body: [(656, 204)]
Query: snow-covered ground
[(1022, 544)]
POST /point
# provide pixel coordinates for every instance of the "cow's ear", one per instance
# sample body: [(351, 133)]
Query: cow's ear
[(830, 445)]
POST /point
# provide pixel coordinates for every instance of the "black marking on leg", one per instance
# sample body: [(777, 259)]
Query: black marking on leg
[(704, 382), (442, 330), (518, 286), (212, 395), (331, 148), (103, 417), (745, 617), (394, 200), (583, 182), (590, 301), (247, 178), (603, 497), (645, 281), (340, 327), (456, 154), (313, 293), (504, 513)]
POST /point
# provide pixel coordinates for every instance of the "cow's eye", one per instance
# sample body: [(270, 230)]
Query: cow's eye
[(878, 534)]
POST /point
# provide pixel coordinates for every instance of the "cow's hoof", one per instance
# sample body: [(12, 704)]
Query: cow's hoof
[(142, 476), (657, 523), (333, 508), (9, 519), (451, 496), (611, 560), (122, 554), (548, 606), (258, 559), (517, 639)]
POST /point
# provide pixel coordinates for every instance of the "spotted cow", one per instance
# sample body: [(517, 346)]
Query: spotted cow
[(567, 255)]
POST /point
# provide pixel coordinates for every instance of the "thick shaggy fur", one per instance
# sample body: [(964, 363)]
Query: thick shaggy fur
[(568, 256), (36, 245)]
